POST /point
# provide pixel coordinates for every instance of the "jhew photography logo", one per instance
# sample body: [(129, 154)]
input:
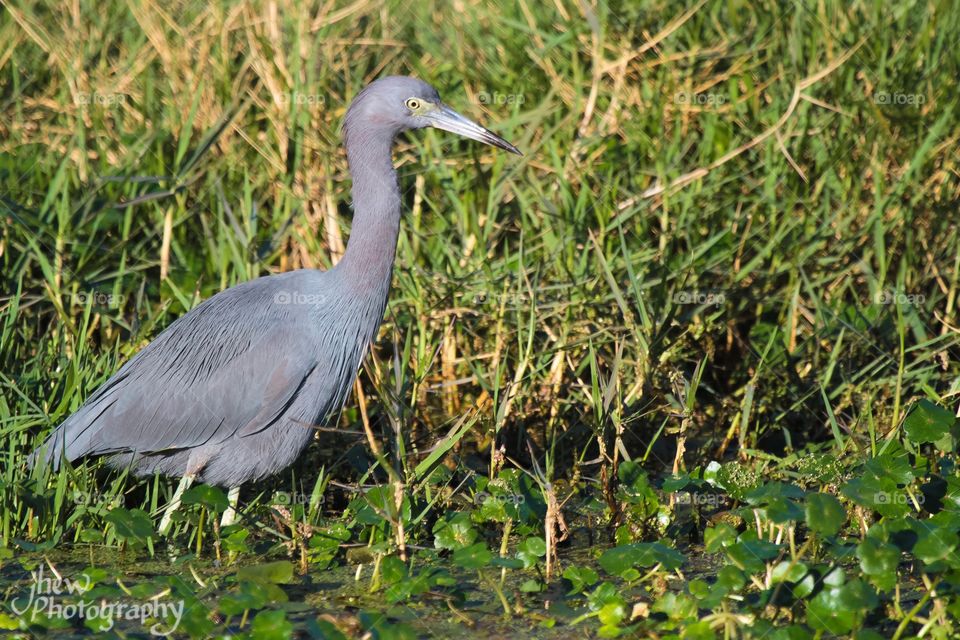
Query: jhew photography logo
[(56, 597)]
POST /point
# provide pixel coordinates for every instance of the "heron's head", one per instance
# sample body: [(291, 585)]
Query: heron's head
[(393, 104)]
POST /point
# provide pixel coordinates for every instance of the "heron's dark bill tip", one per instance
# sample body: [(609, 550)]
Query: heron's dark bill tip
[(513, 149), (506, 146), (492, 139), (489, 137)]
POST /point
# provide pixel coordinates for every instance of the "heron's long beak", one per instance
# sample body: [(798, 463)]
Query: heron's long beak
[(443, 117)]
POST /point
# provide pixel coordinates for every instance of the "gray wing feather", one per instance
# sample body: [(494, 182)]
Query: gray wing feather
[(231, 365)]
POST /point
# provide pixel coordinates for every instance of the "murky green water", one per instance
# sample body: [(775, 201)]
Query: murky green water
[(342, 595)]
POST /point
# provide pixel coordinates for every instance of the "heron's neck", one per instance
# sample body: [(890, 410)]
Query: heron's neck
[(367, 263)]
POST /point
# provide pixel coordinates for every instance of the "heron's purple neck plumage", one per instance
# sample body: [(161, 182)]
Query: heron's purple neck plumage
[(367, 264)]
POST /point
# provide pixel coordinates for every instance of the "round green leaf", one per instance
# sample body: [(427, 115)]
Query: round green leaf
[(935, 543), (473, 557), (928, 422), (212, 498), (879, 560), (271, 625), (824, 514)]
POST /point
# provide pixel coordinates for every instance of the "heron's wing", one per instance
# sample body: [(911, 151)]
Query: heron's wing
[(255, 387), (234, 363)]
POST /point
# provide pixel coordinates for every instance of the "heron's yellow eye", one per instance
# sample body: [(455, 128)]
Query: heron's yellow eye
[(413, 104)]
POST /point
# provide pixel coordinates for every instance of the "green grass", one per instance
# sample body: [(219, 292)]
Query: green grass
[(733, 234)]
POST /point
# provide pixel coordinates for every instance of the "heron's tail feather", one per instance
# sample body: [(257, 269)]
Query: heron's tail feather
[(74, 438)]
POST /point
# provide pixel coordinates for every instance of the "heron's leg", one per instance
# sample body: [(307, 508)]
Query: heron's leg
[(230, 515), (185, 483)]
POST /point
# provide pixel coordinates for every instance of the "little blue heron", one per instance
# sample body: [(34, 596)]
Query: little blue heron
[(228, 393)]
